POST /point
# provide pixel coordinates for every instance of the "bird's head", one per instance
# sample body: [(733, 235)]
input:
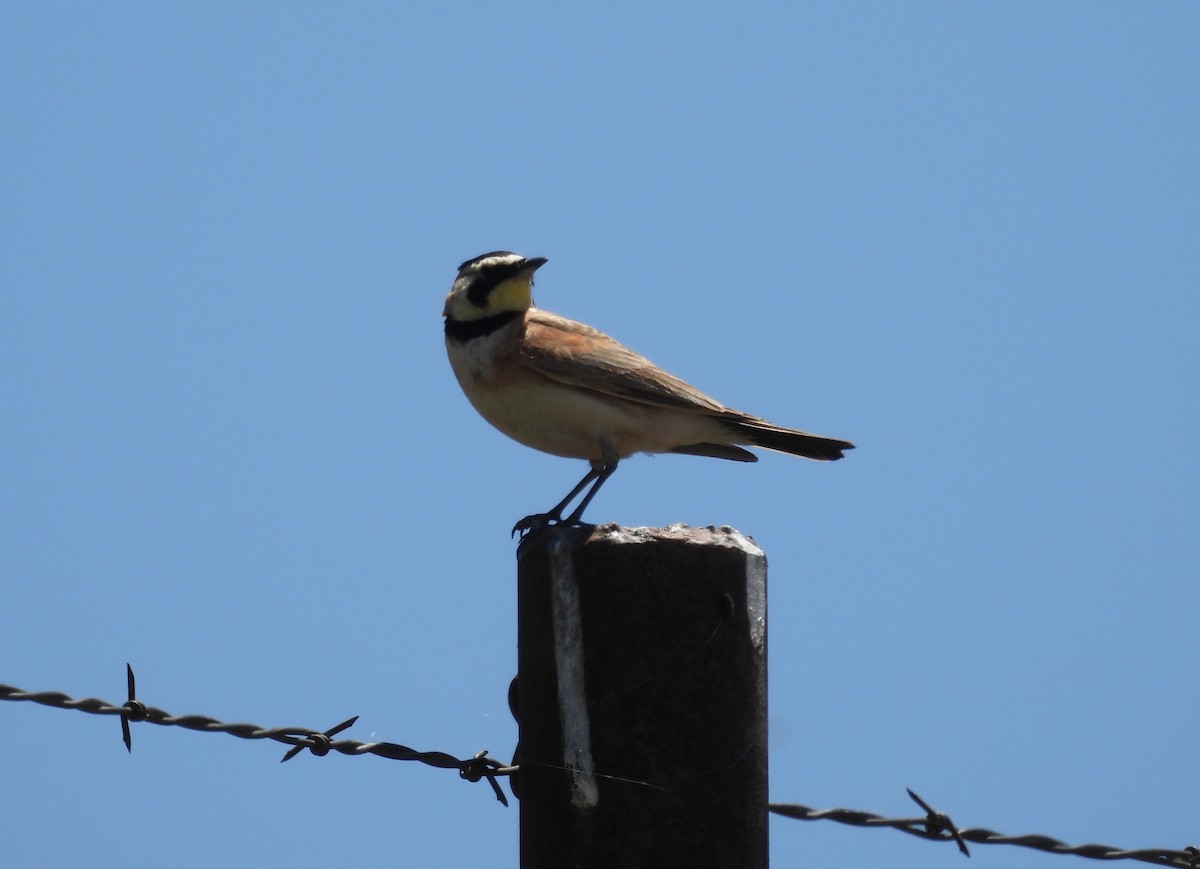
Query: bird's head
[(492, 283)]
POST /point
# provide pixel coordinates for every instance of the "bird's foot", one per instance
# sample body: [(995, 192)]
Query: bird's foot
[(538, 521)]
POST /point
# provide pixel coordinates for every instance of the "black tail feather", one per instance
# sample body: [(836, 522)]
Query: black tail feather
[(797, 443)]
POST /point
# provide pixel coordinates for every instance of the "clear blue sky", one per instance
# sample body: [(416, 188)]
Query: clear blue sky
[(965, 236)]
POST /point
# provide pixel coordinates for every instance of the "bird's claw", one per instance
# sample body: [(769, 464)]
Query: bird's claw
[(536, 522)]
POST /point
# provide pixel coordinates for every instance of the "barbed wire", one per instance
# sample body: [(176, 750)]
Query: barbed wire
[(934, 826), (938, 827), (319, 742)]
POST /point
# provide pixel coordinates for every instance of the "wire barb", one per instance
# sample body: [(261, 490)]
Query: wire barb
[(937, 823), (318, 743), (137, 709)]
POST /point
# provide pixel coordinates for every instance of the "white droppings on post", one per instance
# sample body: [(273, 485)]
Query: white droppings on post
[(568, 662), (756, 596)]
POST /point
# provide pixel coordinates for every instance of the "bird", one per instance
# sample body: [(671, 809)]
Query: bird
[(570, 390)]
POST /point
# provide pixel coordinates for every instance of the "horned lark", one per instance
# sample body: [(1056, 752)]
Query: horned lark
[(570, 390)]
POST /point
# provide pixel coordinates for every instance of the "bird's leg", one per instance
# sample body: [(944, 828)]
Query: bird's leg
[(554, 515), (600, 471), (603, 474)]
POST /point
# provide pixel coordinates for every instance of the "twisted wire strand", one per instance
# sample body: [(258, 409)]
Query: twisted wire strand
[(936, 827), (320, 743)]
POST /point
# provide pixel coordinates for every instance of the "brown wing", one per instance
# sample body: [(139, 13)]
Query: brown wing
[(581, 356)]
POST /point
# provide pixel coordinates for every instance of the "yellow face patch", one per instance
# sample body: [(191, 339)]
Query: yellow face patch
[(515, 294)]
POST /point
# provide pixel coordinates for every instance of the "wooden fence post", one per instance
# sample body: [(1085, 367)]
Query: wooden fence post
[(642, 699)]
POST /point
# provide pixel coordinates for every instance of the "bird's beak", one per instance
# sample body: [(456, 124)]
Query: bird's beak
[(533, 263)]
